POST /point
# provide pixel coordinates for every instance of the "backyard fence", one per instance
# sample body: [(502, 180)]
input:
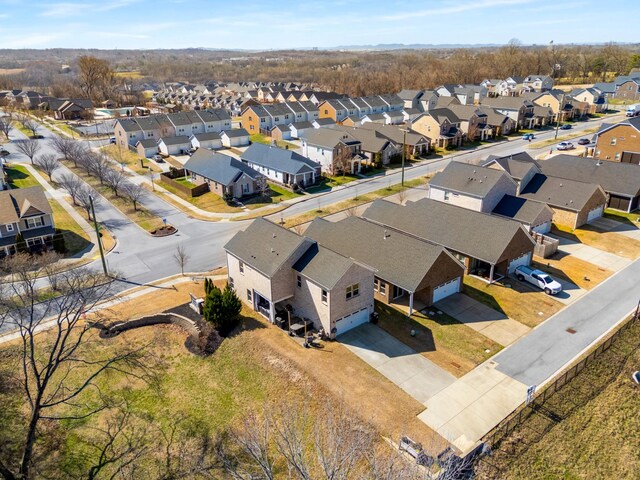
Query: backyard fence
[(169, 179)]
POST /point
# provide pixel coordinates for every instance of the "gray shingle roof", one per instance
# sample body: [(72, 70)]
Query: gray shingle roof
[(147, 143), (179, 140), (390, 253), (21, 202), (278, 159), (613, 177), (506, 103), (218, 167), (323, 266), (203, 137), (265, 246), (468, 179), (516, 165), (328, 137), (559, 192), (236, 132), (471, 233), (521, 209)]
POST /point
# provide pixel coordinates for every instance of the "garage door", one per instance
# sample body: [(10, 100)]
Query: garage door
[(542, 228), (522, 260), (595, 213), (446, 289), (352, 321)]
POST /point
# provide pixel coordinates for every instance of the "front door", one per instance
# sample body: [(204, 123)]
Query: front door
[(398, 292)]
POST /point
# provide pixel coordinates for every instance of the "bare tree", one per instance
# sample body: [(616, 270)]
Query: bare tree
[(114, 180), (134, 192), (57, 367), (181, 257), (96, 77), (72, 185), (84, 195), (6, 125), (402, 196), (342, 162), (29, 147), (100, 166), (63, 146), (263, 187), (48, 163), (29, 124)]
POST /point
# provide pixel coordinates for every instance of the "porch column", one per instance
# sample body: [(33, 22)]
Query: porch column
[(411, 304), (491, 273), (272, 312)]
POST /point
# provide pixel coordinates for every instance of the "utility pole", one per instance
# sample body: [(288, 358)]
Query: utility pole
[(404, 149), (560, 110), (95, 224)]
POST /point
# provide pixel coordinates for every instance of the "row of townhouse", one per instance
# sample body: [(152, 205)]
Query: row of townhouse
[(258, 118), (515, 85), (341, 109), (199, 101), (129, 131)]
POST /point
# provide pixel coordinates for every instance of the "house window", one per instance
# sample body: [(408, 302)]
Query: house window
[(324, 297), (241, 265), (446, 195), (231, 284), (299, 281), (249, 295), (617, 156), (10, 227), (34, 222), (352, 291), (613, 141), (383, 288), (245, 188), (250, 127), (262, 120), (376, 285)]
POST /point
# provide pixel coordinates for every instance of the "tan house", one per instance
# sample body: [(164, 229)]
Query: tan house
[(407, 270), (441, 126), (629, 90), (290, 278), (619, 142)]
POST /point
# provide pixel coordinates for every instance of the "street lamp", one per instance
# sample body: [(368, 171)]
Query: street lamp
[(95, 224), (560, 110)]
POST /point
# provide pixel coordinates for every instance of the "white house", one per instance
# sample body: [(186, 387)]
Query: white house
[(238, 137), (179, 145), (281, 165), (209, 140), (325, 145)]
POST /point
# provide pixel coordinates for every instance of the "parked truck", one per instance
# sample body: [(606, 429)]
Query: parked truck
[(633, 110), (538, 278)]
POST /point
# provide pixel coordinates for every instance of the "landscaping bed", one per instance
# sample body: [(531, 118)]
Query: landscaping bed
[(164, 231)]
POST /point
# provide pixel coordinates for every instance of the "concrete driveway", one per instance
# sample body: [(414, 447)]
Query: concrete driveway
[(483, 319), (591, 254), (626, 229), (405, 367)]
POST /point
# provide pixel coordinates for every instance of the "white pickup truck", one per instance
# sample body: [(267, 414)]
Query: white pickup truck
[(538, 278)]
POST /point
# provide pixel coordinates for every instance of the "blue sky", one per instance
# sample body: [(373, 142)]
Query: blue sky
[(251, 24)]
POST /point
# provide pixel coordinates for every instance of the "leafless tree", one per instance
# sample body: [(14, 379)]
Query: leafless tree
[(114, 180), (72, 185), (63, 146), (402, 196), (181, 257), (134, 192), (100, 166), (78, 154), (48, 163), (262, 186), (6, 125), (29, 124), (57, 367), (29, 147), (342, 162), (84, 196), (351, 211), (96, 77)]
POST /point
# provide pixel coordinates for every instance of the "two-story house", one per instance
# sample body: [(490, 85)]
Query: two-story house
[(628, 88), (520, 110), (538, 83), (334, 150), (281, 274), (440, 125), (473, 122), (619, 142), (25, 211)]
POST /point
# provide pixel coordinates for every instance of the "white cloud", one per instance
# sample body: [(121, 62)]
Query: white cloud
[(454, 8), (70, 9)]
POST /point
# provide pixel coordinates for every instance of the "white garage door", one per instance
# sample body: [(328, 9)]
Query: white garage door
[(522, 260), (595, 213), (352, 321), (542, 228), (446, 289)]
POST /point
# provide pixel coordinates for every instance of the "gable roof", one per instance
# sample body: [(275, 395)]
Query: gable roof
[(468, 179), (628, 122), (265, 246), (234, 133), (147, 143), (559, 192), (506, 103), (278, 159), (516, 165), (369, 139), (329, 137), (203, 137), (218, 167), (391, 254), (475, 234), (613, 177), (521, 209), (323, 266), (178, 140), (22, 202)]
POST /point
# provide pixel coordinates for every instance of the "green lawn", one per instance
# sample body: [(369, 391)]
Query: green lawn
[(260, 138), (623, 217), (184, 181), (19, 177), (328, 182)]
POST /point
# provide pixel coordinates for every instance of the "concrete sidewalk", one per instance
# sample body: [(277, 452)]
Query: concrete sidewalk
[(610, 225), (487, 321), (600, 258), (405, 367)]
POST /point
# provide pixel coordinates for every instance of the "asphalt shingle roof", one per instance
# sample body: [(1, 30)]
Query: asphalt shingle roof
[(468, 179), (471, 233), (559, 192), (520, 209), (20, 202), (218, 167), (179, 140), (323, 266), (279, 159)]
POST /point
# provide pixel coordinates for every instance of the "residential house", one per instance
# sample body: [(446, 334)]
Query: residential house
[(441, 126), (428, 101), (393, 118), (318, 97), (377, 149), (593, 97), (620, 181), (238, 137), (298, 129), (280, 132), (68, 108), (287, 278), (410, 114), (511, 86), (335, 150), (473, 122), (225, 175), (374, 118), (491, 84), (416, 144), (323, 123), (408, 271), (210, 140), (333, 109), (174, 145), (606, 89), (520, 110), (619, 142), (352, 121), (282, 166), (489, 246), (501, 124), (538, 83), (146, 148), (25, 211), (628, 88), (411, 98), (536, 217)]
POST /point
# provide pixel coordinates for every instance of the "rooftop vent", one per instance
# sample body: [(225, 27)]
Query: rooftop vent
[(386, 234)]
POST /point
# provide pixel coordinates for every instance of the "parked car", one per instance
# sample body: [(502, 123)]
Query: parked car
[(528, 136), (566, 126), (4, 153), (565, 146), (158, 158), (584, 141), (538, 278)]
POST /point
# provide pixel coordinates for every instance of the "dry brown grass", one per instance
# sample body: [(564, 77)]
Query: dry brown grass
[(608, 241), (519, 302), (572, 269)]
